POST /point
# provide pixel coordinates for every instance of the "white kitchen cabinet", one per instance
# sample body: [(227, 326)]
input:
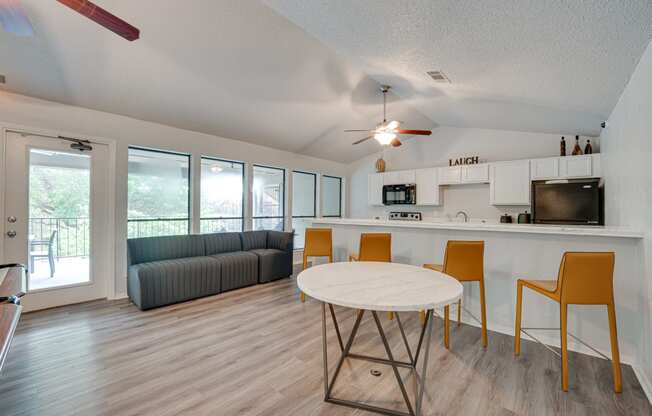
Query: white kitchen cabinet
[(547, 168), (407, 176), (399, 177), (596, 165), (375, 189), (475, 173), (391, 178), (576, 166), (450, 175), (510, 183), (427, 187)]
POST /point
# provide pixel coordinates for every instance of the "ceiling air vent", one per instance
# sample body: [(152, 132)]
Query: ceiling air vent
[(438, 76), (2, 79)]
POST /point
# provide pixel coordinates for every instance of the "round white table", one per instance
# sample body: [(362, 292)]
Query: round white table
[(374, 286)]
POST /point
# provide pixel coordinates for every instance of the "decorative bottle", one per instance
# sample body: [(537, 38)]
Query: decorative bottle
[(562, 147), (577, 150), (588, 149)]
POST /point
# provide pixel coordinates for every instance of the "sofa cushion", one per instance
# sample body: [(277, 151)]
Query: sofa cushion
[(239, 269), (252, 240), (222, 243), (164, 282), (280, 240), (273, 264), (149, 249)]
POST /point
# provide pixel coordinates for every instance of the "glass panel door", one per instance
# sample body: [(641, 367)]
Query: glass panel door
[(59, 218)]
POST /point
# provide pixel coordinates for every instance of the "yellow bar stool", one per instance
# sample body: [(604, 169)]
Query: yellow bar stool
[(463, 260), (583, 279), (375, 247), (318, 243)]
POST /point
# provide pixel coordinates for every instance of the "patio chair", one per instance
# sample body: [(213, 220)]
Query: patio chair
[(48, 252)]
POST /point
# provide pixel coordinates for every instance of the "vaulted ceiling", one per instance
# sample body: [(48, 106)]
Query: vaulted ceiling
[(292, 74)]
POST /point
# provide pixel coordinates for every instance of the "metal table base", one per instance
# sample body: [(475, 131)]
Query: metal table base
[(426, 332)]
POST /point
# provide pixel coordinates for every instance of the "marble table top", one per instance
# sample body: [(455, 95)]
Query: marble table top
[(379, 286)]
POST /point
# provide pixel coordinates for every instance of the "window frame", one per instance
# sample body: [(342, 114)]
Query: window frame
[(244, 189), (190, 187), (283, 210), (339, 196), (314, 195)]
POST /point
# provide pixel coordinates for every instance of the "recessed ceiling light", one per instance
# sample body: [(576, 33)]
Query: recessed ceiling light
[(2, 79), (438, 76)]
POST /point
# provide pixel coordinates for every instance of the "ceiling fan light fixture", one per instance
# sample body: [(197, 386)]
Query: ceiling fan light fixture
[(384, 138)]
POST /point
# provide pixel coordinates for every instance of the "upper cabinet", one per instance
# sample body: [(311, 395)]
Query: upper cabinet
[(510, 183), (475, 173), (399, 177), (547, 168), (566, 167), (375, 189), (427, 187), (450, 175)]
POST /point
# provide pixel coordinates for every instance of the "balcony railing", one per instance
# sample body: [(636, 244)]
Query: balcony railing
[(153, 227)]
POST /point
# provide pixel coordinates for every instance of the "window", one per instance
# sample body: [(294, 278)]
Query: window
[(158, 193), (331, 191), (304, 204), (222, 195), (268, 198)]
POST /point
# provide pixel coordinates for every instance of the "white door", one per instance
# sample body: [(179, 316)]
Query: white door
[(57, 218)]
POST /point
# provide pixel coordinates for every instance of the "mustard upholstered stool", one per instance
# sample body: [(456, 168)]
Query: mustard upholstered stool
[(318, 243), (375, 247), (463, 260), (583, 279)]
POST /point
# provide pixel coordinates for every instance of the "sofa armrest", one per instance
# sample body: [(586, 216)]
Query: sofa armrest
[(280, 240)]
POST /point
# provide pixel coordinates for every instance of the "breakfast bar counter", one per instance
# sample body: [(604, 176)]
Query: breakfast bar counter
[(514, 251)]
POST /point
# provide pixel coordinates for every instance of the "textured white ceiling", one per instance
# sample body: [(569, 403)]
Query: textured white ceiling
[(235, 69), (242, 70), (535, 65)]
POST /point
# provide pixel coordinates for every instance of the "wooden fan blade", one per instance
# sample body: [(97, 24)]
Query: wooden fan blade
[(14, 19), (363, 140), (396, 143), (349, 131), (103, 18), (414, 132)]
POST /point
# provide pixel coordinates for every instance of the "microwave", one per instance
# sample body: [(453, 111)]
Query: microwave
[(573, 201), (400, 194)]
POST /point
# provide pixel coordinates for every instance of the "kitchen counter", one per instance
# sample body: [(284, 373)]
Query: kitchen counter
[(577, 230), (516, 251)]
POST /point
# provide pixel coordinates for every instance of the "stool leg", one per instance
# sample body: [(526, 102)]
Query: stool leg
[(422, 317), (483, 312), (303, 297), (459, 312), (446, 326), (615, 354), (563, 317), (517, 328), (390, 315)]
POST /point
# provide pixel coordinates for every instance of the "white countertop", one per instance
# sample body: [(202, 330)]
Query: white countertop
[(379, 286), (577, 230)]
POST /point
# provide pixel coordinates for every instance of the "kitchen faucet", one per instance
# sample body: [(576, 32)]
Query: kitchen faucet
[(466, 217)]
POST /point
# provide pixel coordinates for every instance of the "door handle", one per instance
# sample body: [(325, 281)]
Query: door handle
[(11, 233)]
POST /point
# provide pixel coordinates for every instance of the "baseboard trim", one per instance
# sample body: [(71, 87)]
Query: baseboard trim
[(117, 296)]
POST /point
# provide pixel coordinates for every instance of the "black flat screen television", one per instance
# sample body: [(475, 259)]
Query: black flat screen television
[(573, 201)]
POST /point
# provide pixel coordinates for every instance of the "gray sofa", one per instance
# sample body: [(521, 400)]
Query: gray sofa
[(166, 270)]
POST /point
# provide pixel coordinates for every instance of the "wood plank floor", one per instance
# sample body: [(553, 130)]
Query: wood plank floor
[(257, 351)]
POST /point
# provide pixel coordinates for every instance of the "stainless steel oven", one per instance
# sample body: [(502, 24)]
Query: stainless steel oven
[(400, 194)]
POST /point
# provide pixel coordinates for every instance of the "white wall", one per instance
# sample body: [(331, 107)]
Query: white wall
[(627, 152), (450, 142), (76, 121)]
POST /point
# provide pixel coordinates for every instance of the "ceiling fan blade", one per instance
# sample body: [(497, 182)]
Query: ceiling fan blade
[(102, 17), (396, 143), (349, 131), (363, 140), (14, 19), (392, 125), (414, 132)]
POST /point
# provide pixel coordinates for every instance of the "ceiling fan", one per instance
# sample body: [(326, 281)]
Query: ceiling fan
[(14, 19), (387, 132)]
